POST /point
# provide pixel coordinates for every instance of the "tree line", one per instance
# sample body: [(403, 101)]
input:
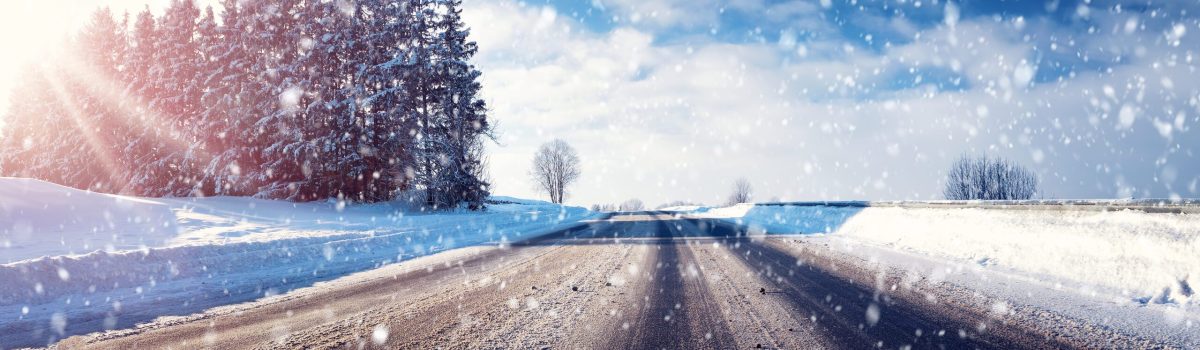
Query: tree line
[(298, 100)]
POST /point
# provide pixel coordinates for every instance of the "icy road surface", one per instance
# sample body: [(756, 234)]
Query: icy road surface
[(642, 280)]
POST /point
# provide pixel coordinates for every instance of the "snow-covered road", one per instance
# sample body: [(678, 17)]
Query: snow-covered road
[(644, 280)]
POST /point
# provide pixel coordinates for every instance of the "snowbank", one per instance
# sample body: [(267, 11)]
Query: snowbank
[(39, 218), (83, 256), (1009, 291), (730, 212), (1148, 257), (48, 278), (681, 208)]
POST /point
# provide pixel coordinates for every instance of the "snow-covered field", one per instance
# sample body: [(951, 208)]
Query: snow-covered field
[(1129, 258), (42, 219), (1017, 294), (1147, 257), (69, 254)]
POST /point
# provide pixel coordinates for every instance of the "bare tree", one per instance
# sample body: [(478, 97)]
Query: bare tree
[(633, 204), (555, 166), (985, 178), (607, 207), (741, 191)]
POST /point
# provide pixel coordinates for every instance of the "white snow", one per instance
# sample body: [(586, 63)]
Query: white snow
[(680, 208), (39, 218), (1145, 257), (75, 252), (1173, 324), (1129, 269)]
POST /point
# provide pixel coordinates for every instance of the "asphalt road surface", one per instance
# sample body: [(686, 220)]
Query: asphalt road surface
[(638, 280)]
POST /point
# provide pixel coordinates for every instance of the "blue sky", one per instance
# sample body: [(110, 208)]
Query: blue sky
[(674, 99)]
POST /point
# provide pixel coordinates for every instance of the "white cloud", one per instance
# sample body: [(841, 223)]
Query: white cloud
[(665, 121), (664, 13)]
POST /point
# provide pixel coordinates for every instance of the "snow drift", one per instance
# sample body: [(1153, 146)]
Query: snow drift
[(40, 218), (1148, 257), (76, 256)]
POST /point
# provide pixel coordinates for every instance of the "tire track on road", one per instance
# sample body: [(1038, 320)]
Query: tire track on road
[(761, 319), (859, 314), (679, 312)]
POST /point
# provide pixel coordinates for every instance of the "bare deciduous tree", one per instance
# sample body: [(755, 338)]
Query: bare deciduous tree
[(607, 207), (633, 204), (555, 166), (741, 191), (985, 178)]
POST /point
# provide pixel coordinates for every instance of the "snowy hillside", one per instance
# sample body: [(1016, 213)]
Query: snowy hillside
[(71, 253), (39, 218)]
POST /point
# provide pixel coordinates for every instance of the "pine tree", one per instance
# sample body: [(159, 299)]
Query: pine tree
[(385, 109), (62, 123), (220, 80), (28, 150), (301, 100), (276, 96), (463, 112), (175, 103), (324, 154), (234, 164), (140, 89), (89, 78), (420, 92)]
